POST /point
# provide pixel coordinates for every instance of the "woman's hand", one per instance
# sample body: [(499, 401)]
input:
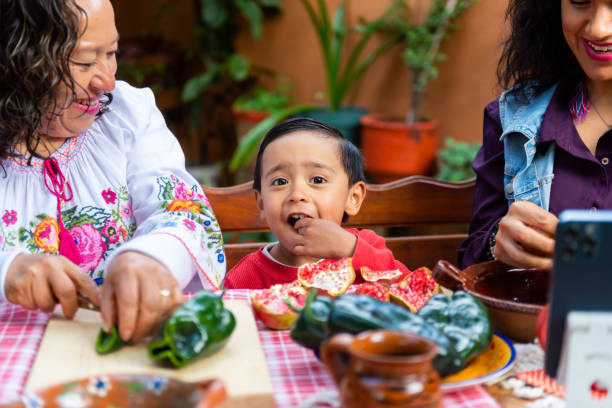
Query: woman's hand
[(39, 281), (525, 237), (139, 293)]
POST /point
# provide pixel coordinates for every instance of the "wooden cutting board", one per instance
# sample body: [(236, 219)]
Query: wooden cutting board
[(67, 352)]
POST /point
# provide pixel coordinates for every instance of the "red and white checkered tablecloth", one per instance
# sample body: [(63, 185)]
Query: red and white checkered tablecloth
[(295, 372)]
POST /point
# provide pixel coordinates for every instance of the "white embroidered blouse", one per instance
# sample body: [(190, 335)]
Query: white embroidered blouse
[(130, 192)]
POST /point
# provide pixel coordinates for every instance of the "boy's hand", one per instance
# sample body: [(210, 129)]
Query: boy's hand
[(323, 239)]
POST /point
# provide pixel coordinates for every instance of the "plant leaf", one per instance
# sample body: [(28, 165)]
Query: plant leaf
[(214, 12), (252, 12), (238, 67), (196, 85), (246, 148)]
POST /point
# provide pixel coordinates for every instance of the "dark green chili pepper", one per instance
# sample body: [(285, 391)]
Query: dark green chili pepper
[(199, 327), (463, 319), (311, 323), (108, 342)]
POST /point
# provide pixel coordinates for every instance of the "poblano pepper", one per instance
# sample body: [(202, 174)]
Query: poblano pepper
[(108, 342), (463, 319), (199, 327), (323, 317)]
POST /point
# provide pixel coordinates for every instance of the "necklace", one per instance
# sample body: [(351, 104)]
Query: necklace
[(600, 116)]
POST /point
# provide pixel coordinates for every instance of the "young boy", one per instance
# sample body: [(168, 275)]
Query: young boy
[(308, 180)]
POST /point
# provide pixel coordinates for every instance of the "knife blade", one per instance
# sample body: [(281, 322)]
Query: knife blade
[(85, 303)]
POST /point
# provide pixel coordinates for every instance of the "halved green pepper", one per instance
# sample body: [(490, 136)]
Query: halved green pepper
[(199, 327)]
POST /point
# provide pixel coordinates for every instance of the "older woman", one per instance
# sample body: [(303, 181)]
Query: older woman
[(547, 143), (94, 187)]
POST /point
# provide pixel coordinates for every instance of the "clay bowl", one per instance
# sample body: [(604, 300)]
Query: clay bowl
[(127, 390), (514, 297)]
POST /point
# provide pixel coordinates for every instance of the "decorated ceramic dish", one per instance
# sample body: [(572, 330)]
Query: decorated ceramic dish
[(493, 363), (125, 390)]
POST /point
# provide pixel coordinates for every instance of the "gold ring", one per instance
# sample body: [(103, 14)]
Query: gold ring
[(164, 293)]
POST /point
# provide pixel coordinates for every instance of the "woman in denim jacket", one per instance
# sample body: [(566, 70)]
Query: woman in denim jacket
[(547, 142)]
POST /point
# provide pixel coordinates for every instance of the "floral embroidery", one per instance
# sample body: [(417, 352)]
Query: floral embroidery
[(190, 225), (109, 196), (90, 245), (46, 235), (126, 211), (190, 207), (183, 205), (9, 217), (96, 231), (110, 231)]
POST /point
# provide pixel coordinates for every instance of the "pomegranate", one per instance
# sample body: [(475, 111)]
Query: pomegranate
[(330, 276), (415, 289), (271, 308), (372, 289), (384, 277)]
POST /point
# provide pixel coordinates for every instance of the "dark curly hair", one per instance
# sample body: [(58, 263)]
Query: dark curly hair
[(37, 38), (536, 54)]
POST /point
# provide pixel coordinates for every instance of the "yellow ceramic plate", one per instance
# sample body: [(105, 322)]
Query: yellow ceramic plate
[(493, 363)]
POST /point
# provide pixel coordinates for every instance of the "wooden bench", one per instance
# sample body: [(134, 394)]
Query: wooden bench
[(443, 208)]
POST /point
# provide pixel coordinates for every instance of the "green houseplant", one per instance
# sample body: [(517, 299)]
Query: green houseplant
[(455, 160), (394, 147), (343, 68)]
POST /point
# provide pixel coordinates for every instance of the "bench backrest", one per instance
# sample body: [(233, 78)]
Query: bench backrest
[(443, 208)]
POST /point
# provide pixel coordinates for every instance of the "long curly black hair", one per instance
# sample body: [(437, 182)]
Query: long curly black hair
[(37, 38), (536, 55)]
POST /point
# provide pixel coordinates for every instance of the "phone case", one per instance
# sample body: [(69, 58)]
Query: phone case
[(581, 278)]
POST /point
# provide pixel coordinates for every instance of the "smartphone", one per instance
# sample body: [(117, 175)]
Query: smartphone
[(582, 274)]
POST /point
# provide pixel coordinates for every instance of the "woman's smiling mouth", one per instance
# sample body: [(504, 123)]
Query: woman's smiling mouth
[(598, 51)]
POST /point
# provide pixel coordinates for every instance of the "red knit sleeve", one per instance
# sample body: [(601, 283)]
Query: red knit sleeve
[(371, 251)]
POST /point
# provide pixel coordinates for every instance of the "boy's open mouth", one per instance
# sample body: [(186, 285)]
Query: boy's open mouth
[(293, 218)]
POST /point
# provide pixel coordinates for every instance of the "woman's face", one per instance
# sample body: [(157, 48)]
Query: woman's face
[(93, 65), (587, 27)]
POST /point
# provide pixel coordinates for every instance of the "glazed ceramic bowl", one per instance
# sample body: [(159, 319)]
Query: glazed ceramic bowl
[(513, 297), (127, 390)]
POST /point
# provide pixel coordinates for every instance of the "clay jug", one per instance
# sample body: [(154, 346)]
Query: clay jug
[(383, 368)]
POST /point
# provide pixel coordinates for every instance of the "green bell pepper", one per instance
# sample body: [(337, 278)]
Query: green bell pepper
[(108, 342), (323, 317), (463, 319), (199, 327)]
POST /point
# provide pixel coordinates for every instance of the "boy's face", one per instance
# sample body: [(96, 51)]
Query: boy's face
[(302, 176)]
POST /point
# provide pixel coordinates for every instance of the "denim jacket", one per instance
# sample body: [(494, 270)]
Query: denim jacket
[(527, 174)]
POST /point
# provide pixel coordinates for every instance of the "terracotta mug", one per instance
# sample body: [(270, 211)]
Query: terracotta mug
[(383, 368)]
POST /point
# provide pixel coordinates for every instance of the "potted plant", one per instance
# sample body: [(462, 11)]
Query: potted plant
[(393, 147), (455, 160), (343, 69)]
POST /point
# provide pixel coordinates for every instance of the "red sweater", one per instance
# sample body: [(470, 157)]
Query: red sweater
[(258, 271)]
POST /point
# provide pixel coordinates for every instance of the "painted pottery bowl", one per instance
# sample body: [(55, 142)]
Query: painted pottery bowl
[(513, 297), (127, 390)]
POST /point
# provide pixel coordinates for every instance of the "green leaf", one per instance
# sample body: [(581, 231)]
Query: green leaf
[(23, 234), (272, 3), (196, 85), (249, 143), (214, 12), (251, 11), (238, 67)]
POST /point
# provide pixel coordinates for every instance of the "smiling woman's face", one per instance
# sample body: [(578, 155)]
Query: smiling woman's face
[(93, 65), (587, 27)]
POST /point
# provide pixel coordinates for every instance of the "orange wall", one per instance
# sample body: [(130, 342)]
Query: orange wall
[(466, 81)]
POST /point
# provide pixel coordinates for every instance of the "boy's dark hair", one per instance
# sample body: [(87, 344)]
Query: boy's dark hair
[(536, 54), (350, 156)]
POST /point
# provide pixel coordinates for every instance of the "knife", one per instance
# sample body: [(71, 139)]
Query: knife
[(85, 303)]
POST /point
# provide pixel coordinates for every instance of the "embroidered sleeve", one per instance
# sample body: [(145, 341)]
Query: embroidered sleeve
[(175, 223)]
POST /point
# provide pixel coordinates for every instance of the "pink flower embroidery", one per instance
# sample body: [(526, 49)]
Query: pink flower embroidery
[(189, 224), (90, 245), (109, 196), (110, 231), (126, 211), (9, 217), (181, 192), (0, 239)]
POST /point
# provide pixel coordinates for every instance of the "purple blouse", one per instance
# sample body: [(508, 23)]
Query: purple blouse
[(581, 180)]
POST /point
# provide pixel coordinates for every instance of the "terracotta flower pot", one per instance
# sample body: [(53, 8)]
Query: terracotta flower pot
[(393, 149)]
